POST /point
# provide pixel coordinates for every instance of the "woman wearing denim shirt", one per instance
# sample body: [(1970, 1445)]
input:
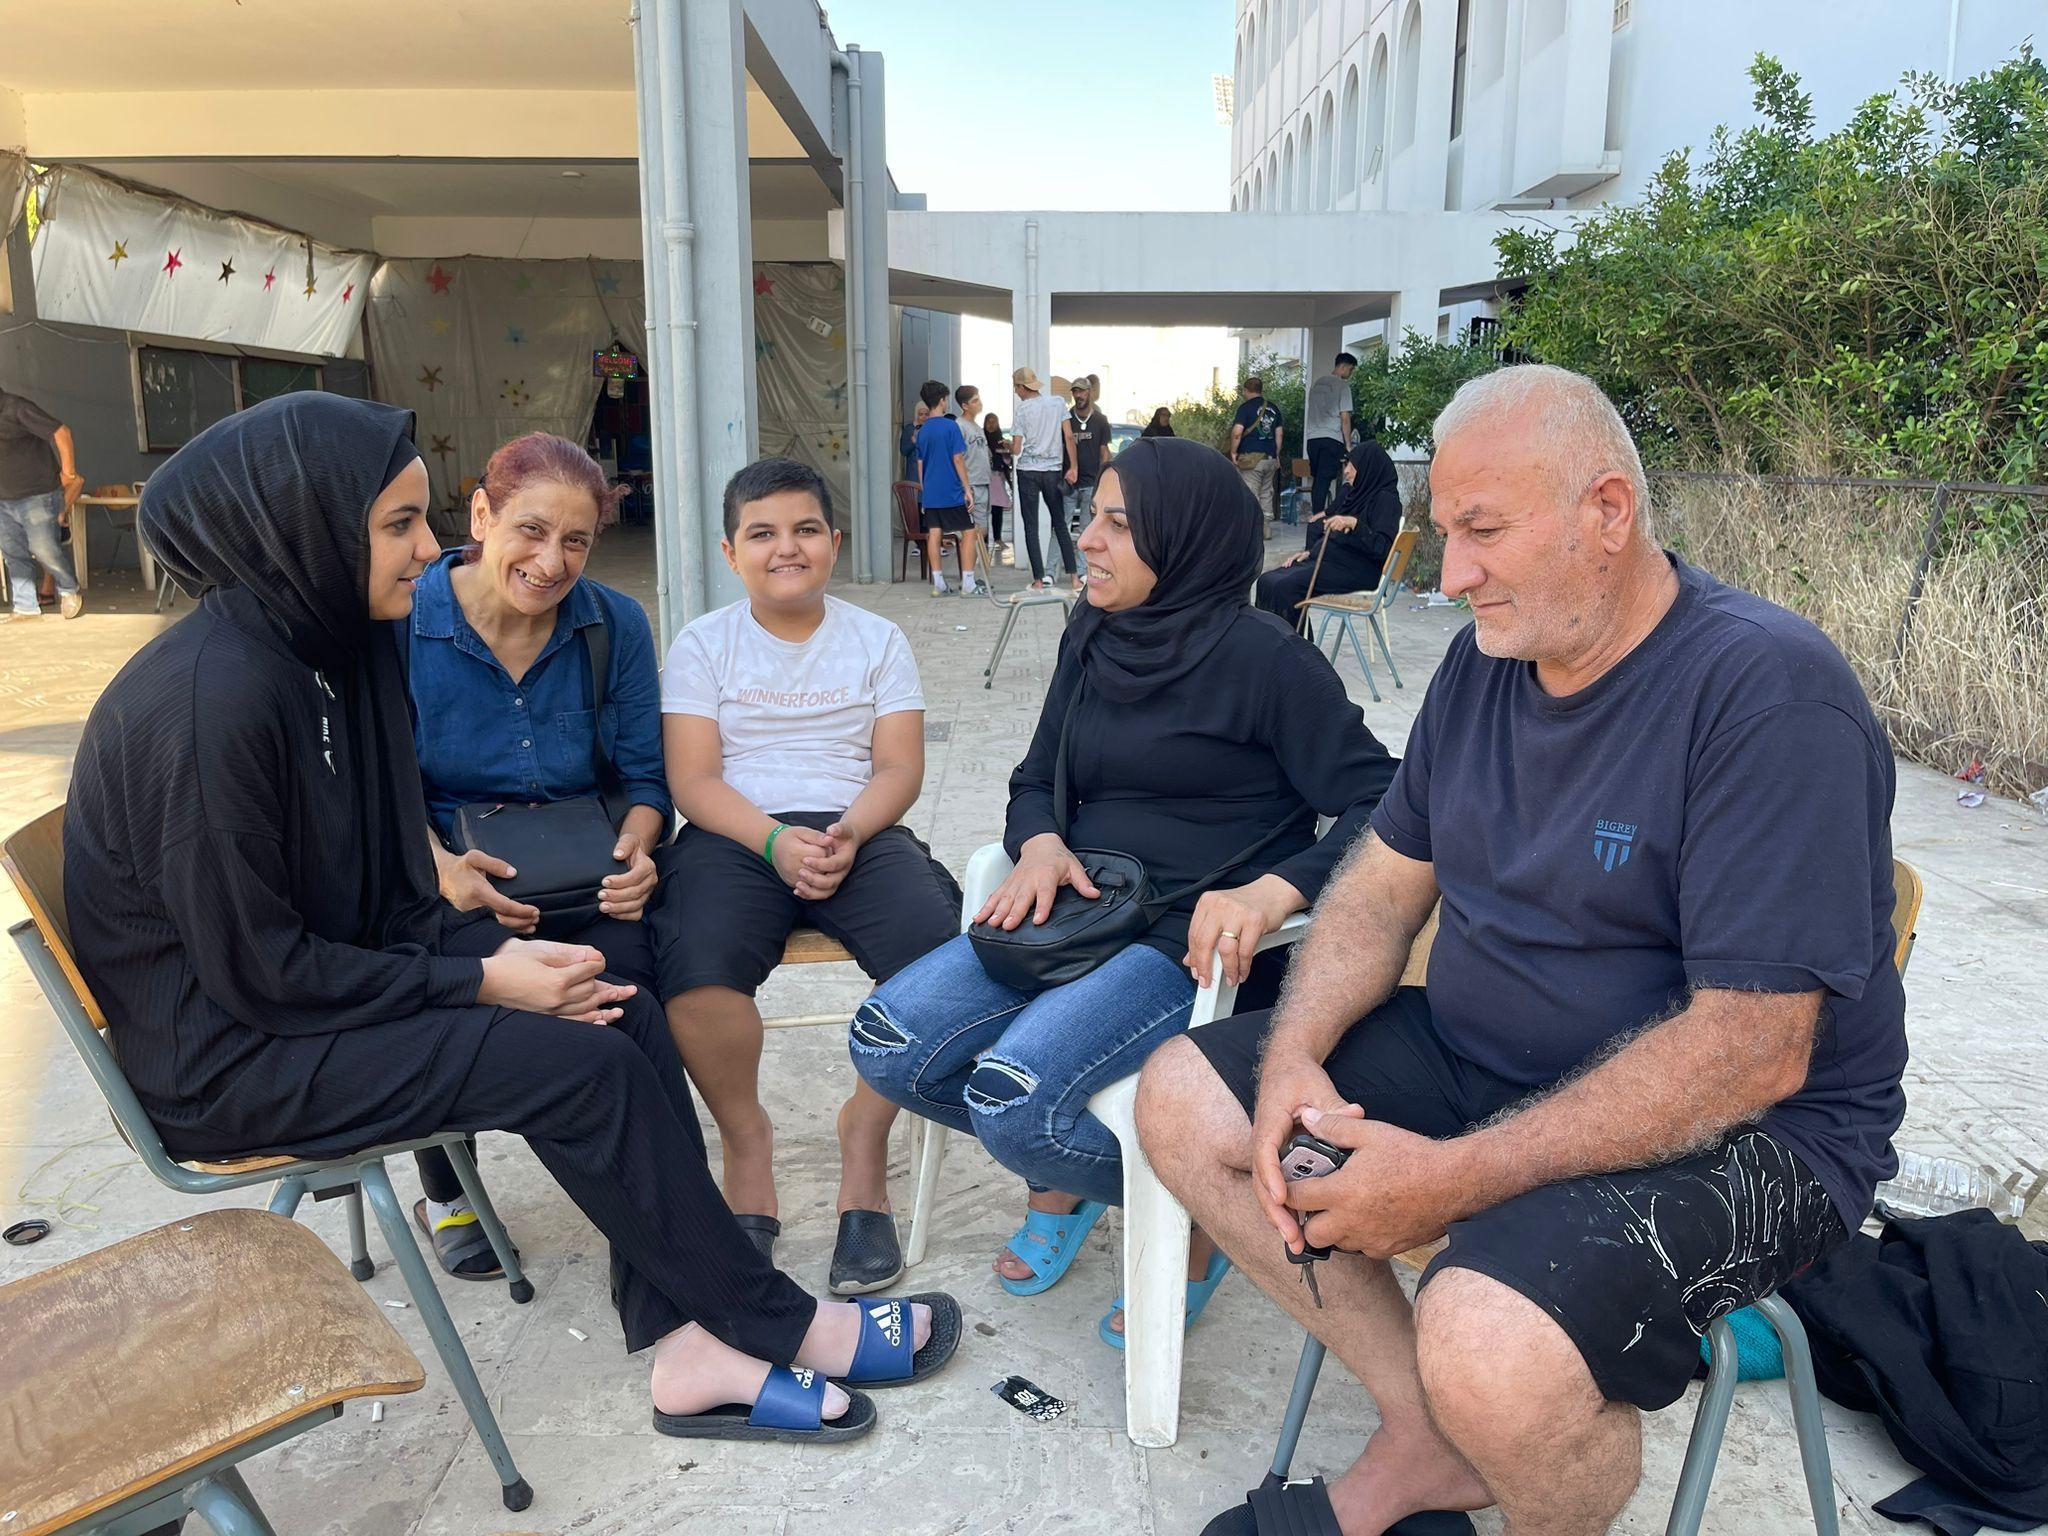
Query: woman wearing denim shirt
[(502, 706)]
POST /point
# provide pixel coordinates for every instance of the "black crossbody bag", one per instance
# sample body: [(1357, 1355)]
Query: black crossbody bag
[(1079, 935), (562, 849)]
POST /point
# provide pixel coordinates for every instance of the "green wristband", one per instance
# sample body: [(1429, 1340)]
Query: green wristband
[(768, 852)]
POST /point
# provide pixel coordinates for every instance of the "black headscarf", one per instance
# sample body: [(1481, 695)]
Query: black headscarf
[(266, 516), (1373, 475), (1199, 529)]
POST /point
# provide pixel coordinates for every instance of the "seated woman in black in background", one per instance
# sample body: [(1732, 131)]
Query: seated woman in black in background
[(246, 867), (501, 654), (1354, 539)]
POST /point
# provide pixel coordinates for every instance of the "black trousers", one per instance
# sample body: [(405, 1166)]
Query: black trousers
[(1281, 589), (1052, 485), (607, 1111), (1325, 465), (628, 950)]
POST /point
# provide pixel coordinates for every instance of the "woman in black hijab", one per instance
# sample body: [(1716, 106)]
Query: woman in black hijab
[(1201, 735), (252, 902), (1353, 539)]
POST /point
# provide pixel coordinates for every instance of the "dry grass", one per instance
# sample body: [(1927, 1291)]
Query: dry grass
[(1972, 679)]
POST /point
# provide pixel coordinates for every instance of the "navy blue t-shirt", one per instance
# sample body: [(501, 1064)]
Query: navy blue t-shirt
[(939, 483), (1714, 812), (1260, 419)]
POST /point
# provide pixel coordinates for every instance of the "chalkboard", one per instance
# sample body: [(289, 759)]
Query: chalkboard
[(264, 378), (183, 393)]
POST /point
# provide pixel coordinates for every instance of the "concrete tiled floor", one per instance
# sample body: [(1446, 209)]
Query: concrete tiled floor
[(949, 1457)]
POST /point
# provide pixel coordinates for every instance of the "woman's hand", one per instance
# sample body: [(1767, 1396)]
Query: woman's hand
[(1296, 558), (465, 881), (625, 894), (822, 872), (1046, 865), (1232, 922), (562, 979), (1340, 524)]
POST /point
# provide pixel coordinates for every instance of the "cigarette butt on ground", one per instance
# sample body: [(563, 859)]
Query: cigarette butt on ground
[(398, 1306), (377, 1413), (579, 1335)]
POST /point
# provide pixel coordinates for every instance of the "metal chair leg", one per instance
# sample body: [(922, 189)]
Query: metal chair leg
[(376, 1184), (995, 657), (284, 1200), (1358, 650), (1708, 1425), (227, 1506), (1806, 1420), (359, 1263), (1379, 633), (1312, 1352), (487, 1217)]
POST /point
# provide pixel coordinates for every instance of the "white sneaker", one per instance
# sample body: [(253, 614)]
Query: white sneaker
[(71, 604)]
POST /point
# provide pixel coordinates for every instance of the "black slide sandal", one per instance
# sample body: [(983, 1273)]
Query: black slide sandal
[(1303, 1509), (459, 1246), (866, 1255), (947, 1326), (763, 1230), (788, 1411)]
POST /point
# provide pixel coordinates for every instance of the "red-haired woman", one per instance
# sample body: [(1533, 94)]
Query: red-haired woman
[(502, 646)]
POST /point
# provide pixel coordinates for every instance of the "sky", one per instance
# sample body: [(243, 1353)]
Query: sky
[(1105, 104)]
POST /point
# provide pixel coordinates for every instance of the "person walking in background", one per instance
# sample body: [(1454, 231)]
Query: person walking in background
[(945, 497), (1161, 424), (1045, 437), (39, 484), (1088, 431), (1256, 436), (1001, 460), (1326, 428), (967, 401)]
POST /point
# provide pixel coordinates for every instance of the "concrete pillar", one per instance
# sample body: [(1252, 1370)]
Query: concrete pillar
[(1031, 313), (727, 422), (868, 287), (1324, 343), (664, 421), (1430, 159), (1415, 309)]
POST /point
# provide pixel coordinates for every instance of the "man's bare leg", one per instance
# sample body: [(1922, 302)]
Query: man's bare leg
[(1513, 1393), (1195, 1133)]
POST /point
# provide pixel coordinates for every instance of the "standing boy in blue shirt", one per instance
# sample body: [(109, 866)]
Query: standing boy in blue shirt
[(943, 493)]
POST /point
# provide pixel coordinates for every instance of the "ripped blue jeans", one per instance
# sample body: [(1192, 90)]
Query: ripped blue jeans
[(1016, 1069)]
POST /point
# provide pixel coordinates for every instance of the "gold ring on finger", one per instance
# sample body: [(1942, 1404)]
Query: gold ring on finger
[(1227, 934)]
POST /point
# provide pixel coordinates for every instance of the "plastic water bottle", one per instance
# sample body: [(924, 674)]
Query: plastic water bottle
[(1935, 1186)]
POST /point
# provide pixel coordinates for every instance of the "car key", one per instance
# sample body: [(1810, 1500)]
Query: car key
[(1309, 1157)]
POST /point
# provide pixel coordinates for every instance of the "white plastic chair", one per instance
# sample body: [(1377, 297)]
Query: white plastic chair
[(1155, 1224)]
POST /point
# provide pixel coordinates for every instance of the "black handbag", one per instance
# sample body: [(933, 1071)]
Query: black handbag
[(1080, 934), (562, 849)]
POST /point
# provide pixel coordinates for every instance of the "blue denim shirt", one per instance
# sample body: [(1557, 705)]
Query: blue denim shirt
[(482, 737)]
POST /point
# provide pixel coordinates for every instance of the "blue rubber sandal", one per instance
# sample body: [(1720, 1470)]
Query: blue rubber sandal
[(790, 1409), (885, 1356), (1058, 1240), (1199, 1292)]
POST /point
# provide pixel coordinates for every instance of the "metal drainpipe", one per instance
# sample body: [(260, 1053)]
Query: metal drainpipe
[(680, 236), (1031, 299), (858, 418)]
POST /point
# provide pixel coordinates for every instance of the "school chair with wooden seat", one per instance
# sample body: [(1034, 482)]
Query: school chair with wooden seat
[(145, 1391), (34, 859), (1710, 1422), (1346, 610)]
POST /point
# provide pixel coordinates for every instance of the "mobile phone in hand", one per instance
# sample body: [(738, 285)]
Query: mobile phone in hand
[(1310, 1157)]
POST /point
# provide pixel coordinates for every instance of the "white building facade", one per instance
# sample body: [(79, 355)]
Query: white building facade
[(1545, 106)]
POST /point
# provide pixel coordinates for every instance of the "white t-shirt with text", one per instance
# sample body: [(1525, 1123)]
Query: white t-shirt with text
[(796, 722), (1041, 444)]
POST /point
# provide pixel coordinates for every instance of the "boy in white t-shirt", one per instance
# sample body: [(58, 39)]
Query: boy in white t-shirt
[(793, 728)]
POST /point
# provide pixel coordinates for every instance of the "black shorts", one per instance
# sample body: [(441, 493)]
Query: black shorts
[(725, 914), (1633, 1266), (945, 519)]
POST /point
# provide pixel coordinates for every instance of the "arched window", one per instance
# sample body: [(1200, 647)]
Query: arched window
[(1307, 200), (1266, 51), (1489, 42), (1258, 189), (1408, 77), (1325, 148), (1272, 182), (1287, 188), (1347, 159), (1376, 120)]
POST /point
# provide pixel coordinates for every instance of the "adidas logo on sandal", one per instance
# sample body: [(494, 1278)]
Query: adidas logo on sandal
[(804, 1376), (889, 1317)]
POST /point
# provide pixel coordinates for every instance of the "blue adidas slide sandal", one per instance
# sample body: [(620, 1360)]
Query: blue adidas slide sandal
[(885, 1355), (790, 1409), (1048, 1244), (1199, 1292)]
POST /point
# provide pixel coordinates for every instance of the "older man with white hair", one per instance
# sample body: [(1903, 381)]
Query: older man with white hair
[(1655, 1071)]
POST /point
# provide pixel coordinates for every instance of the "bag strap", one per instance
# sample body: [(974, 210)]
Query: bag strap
[(597, 658), (1061, 812)]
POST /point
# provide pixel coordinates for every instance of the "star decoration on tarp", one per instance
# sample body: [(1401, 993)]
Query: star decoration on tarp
[(172, 262), (431, 377), (515, 335), (439, 280), (523, 283), (763, 283), (836, 394), (440, 325), (608, 282), (515, 393), (839, 341), (348, 293), (118, 254), (763, 348), (443, 447), (227, 270), (836, 446), (311, 286), (268, 279)]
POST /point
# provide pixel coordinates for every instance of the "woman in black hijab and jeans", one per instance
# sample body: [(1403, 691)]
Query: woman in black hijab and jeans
[(253, 903), (1199, 726)]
